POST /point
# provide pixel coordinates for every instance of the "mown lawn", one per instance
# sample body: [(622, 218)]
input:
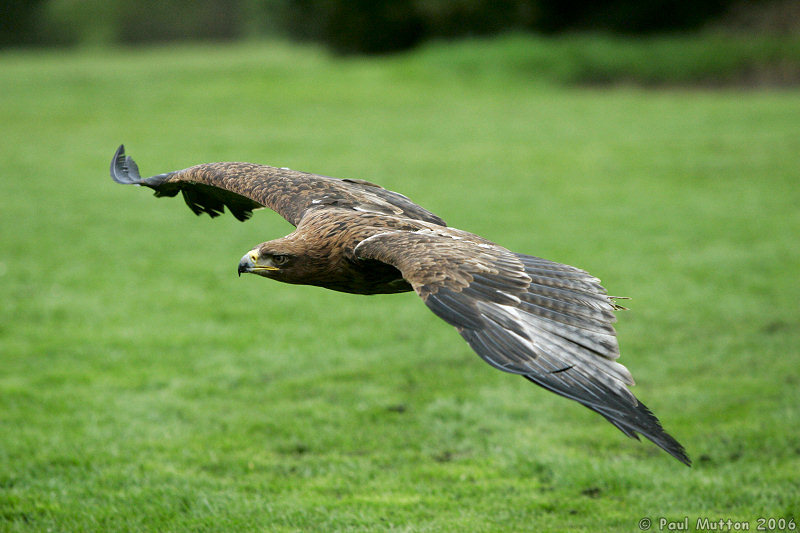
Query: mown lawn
[(145, 387)]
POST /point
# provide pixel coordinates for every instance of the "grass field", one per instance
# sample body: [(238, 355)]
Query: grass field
[(144, 387)]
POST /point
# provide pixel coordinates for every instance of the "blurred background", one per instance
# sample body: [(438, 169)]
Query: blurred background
[(369, 27), (145, 387)]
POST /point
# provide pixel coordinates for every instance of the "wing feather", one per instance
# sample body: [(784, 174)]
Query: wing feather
[(549, 322)]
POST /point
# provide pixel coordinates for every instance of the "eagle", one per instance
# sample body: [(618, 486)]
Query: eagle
[(545, 321)]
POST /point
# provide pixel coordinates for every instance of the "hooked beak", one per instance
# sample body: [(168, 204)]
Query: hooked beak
[(246, 264), (249, 264)]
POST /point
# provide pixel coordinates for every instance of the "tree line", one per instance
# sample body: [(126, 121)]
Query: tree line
[(345, 26)]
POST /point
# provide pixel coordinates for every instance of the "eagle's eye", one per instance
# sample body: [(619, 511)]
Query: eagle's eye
[(279, 260)]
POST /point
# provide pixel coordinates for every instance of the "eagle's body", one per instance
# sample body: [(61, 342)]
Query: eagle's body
[(549, 322)]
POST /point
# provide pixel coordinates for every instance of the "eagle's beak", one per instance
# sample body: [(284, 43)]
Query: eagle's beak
[(248, 262)]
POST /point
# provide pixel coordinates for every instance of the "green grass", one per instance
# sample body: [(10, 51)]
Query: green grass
[(144, 387), (706, 59)]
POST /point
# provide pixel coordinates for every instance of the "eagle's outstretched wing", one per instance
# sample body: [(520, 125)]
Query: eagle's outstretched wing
[(549, 322), (242, 187)]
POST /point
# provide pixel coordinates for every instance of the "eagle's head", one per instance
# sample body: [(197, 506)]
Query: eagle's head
[(286, 259), (268, 261)]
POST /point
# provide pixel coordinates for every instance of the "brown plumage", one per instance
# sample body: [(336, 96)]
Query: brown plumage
[(549, 322)]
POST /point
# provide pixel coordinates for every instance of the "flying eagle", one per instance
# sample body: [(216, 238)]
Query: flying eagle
[(548, 322)]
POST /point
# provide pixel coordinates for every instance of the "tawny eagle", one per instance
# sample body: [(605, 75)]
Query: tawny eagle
[(548, 322)]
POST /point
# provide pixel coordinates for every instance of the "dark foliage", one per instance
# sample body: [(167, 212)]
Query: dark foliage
[(19, 22), (626, 16), (356, 26), (345, 26), (362, 26)]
